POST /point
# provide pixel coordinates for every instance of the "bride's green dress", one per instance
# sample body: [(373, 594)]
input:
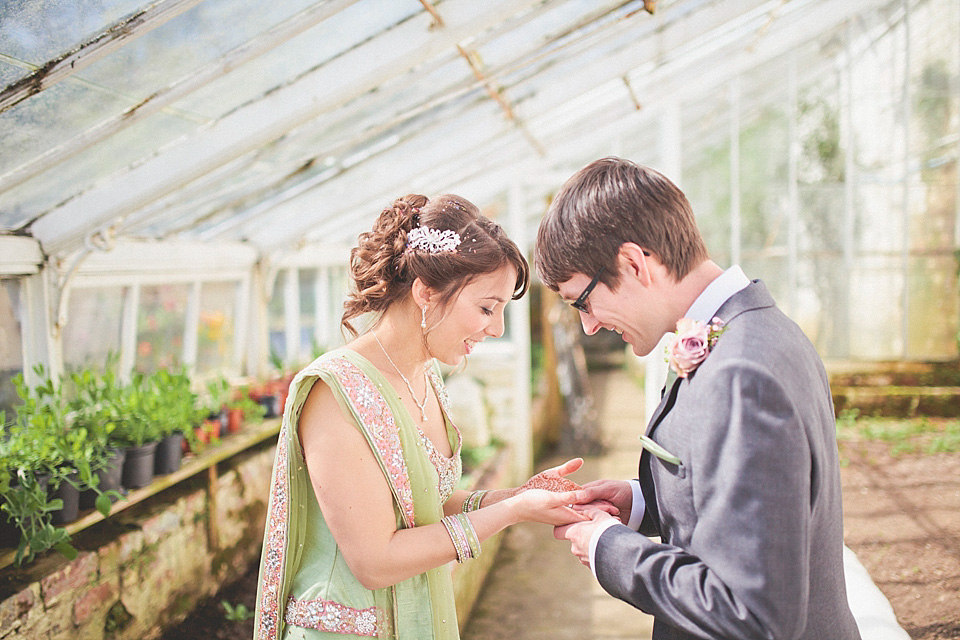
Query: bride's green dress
[(305, 588)]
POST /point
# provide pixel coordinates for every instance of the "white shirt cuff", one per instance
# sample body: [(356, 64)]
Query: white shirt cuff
[(638, 508), (595, 538), (636, 517)]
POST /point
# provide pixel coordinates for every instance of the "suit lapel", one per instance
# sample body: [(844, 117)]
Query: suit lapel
[(754, 296)]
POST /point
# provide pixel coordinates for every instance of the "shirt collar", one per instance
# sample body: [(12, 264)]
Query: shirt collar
[(717, 292)]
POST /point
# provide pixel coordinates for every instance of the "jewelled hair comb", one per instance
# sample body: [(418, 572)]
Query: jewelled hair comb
[(433, 240)]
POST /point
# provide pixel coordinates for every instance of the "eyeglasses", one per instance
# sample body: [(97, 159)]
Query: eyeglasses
[(580, 304)]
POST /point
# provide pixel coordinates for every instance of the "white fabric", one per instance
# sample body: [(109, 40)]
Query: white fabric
[(870, 608), (705, 307)]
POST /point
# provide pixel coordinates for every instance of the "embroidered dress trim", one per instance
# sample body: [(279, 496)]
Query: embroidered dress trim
[(332, 617), (378, 421), (449, 469), (276, 546)]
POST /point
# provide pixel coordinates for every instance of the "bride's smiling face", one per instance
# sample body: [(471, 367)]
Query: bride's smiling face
[(473, 316)]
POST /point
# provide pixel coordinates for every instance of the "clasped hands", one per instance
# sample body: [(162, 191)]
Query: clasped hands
[(577, 513)]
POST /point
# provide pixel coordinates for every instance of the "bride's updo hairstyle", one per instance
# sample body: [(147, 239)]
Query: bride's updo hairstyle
[(383, 265)]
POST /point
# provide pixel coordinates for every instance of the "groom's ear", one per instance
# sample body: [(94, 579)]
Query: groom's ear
[(635, 263)]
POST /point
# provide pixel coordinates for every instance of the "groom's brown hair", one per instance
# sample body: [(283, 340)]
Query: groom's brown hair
[(607, 203)]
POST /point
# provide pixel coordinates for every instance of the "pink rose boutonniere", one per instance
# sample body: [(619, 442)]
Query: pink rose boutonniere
[(691, 344)]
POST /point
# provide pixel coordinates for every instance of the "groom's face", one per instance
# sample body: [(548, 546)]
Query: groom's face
[(625, 311)]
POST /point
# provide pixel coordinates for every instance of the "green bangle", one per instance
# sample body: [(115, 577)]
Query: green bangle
[(472, 503)]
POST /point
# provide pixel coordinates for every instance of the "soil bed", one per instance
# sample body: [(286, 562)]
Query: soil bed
[(901, 493)]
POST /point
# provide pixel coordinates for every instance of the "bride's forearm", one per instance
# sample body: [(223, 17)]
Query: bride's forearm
[(413, 551)]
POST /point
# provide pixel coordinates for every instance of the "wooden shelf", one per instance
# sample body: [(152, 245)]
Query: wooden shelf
[(229, 446)]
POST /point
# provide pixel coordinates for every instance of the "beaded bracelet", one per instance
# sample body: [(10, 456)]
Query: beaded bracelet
[(472, 503)]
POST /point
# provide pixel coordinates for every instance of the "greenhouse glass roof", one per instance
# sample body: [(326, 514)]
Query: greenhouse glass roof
[(284, 122)]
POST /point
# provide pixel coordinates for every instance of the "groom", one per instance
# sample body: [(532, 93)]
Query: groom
[(739, 475)]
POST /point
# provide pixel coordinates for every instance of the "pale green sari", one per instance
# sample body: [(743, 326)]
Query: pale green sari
[(305, 589)]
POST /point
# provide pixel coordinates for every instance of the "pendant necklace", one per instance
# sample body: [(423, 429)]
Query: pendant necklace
[(426, 391)]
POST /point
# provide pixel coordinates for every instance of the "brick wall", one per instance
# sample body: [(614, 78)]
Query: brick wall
[(148, 566)]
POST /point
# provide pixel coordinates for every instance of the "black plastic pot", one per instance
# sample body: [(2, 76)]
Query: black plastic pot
[(109, 480), (68, 492), (138, 467), (168, 454)]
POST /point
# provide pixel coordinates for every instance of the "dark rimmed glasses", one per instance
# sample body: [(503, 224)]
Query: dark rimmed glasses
[(580, 304)]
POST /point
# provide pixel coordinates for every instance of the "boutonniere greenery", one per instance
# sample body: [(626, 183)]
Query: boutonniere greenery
[(691, 344), (650, 445)]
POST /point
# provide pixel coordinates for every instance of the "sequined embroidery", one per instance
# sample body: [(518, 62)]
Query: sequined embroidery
[(449, 469), (332, 617), (276, 547), (377, 419)]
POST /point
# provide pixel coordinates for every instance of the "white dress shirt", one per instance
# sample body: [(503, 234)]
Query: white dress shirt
[(703, 310)]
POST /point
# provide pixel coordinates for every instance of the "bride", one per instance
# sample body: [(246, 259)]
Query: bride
[(364, 515)]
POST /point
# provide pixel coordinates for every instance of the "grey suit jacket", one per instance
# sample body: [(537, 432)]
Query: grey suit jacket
[(750, 521)]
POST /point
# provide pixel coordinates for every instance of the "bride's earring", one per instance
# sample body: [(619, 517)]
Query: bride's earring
[(423, 317)]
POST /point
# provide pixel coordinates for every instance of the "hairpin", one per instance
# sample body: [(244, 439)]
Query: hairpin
[(433, 240)]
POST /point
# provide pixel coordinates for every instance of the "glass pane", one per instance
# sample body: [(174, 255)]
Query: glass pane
[(185, 43), (35, 32), (823, 295), (93, 331), (60, 182), (933, 327), (309, 347), (876, 294), (160, 327), (54, 115), (705, 131), (276, 321), (823, 304), (216, 326), (311, 48), (11, 343)]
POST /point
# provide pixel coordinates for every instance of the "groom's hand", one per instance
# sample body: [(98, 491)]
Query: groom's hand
[(617, 493), (579, 533)]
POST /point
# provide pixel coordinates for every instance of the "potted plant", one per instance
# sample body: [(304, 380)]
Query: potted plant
[(136, 432), (93, 411), (172, 414), (242, 408), (32, 464)]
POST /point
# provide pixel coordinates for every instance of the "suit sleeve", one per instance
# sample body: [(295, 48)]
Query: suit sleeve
[(744, 573)]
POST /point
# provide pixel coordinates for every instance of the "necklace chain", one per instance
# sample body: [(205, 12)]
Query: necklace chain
[(426, 383)]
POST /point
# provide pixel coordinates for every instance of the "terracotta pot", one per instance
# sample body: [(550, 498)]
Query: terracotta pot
[(234, 420)]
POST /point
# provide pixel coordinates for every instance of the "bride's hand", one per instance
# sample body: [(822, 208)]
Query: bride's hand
[(547, 507), (553, 479)]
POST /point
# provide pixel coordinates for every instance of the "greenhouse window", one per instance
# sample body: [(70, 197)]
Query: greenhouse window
[(161, 323), (93, 332), (11, 342)]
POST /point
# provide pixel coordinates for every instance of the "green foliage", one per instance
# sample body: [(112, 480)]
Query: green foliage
[(26, 503), (252, 410), (237, 613), (915, 435)]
